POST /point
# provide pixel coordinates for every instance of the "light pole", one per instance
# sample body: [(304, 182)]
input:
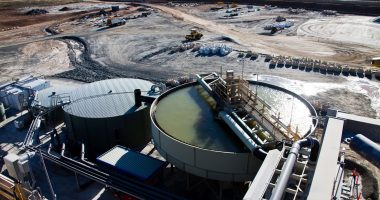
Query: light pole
[(291, 113), (242, 69), (257, 80)]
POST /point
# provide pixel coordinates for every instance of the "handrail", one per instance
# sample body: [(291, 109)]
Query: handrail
[(250, 99)]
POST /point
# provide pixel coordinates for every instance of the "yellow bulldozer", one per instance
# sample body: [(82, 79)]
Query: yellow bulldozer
[(375, 62), (194, 35)]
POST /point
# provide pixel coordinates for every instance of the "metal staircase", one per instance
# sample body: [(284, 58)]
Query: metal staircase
[(266, 179), (39, 111)]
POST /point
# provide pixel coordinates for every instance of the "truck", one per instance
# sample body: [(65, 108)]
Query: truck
[(111, 22)]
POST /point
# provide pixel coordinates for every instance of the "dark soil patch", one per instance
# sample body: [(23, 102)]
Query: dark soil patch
[(36, 12), (64, 9), (14, 18), (354, 103), (370, 188)]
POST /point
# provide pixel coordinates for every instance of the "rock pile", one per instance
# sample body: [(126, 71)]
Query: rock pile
[(36, 12)]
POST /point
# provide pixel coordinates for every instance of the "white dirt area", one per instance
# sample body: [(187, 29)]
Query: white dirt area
[(350, 29), (40, 58)]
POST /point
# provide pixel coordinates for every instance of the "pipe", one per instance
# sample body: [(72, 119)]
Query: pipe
[(63, 149), (26, 156), (82, 154), (148, 99), (287, 169), (367, 148), (49, 149), (244, 137), (138, 100), (124, 184), (244, 126), (202, 82), (260, 153), (314, 150)]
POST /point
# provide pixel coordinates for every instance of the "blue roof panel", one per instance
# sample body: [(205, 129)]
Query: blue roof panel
[(130, 162)]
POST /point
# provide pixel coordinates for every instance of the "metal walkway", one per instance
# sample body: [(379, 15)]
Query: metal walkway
[(236, 94), (56, 101)]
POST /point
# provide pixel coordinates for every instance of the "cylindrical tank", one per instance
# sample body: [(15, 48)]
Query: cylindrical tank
[(2, 112), (187, 134), (367, 148), (48, 98), (103, 114)]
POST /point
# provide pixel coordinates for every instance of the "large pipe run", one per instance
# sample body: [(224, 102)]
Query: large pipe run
[(245, 127), (122, 183), (203, 83), (287, 169), (243, 136), (367, 148)]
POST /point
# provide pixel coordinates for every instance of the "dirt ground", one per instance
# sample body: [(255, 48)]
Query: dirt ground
[(367, 170), (46, 58), (86, 50)]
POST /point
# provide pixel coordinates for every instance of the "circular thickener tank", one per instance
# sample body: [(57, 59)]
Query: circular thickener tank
[(186, 132), (103, 114)]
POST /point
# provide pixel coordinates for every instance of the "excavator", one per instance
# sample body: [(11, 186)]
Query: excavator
[(194, 35)]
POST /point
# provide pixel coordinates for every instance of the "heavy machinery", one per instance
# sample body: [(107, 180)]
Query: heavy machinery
[(375, 62), (194, 35), (280, 19), (111, 22)]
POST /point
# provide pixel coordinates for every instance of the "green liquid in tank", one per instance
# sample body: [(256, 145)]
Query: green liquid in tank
[(187, 115)]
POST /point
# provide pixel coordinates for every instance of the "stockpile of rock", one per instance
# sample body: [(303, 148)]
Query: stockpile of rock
[(36, 12)]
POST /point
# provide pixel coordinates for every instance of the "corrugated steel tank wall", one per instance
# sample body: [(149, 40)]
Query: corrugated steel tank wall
[(99, 135)]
